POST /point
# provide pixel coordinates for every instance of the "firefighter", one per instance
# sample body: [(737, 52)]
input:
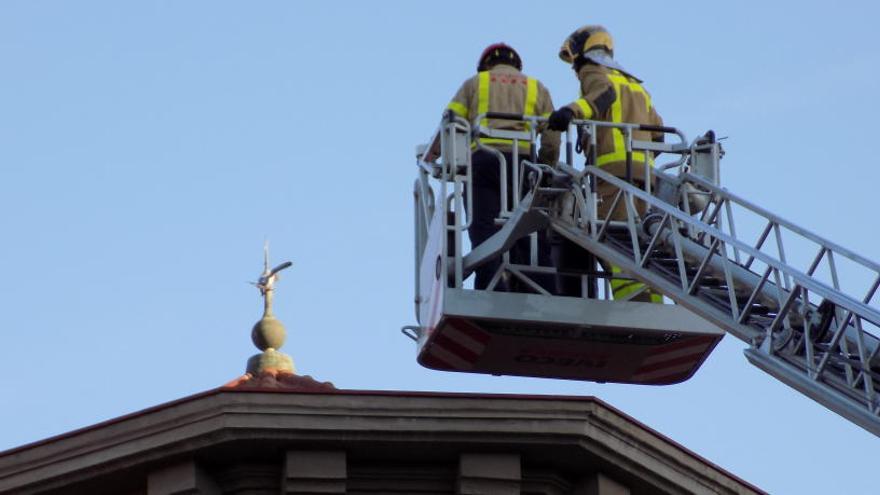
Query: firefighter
[(500, 86), (613, 94)]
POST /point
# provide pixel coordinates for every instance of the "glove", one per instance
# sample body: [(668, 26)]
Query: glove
[(559, 119)]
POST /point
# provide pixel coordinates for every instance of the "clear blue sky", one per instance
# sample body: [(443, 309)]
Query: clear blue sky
[(147, 149)]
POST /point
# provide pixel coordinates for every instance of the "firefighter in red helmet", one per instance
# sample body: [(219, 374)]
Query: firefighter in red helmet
[(500, 86)]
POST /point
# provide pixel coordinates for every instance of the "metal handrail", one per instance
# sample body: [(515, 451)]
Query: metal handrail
[(448, 171)]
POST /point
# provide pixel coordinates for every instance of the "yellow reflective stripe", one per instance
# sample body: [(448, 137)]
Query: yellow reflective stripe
[(619, 154), (621, 288), (483, 96), (617, 77), (585, 107), (616, 116), (546, 114), (531, 100), (531, 96), (633, 86), (458, 109), (508, 142), (624, 292)]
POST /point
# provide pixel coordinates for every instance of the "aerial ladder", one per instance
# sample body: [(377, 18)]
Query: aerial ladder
[(680, 237)]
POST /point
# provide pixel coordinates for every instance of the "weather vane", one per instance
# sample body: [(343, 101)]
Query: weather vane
[(266, 282)]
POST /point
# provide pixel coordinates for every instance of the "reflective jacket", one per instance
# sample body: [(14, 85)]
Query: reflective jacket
[(614, 96), (505, 89)]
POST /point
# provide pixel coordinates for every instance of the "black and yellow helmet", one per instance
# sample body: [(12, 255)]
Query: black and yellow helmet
[(583, 40)]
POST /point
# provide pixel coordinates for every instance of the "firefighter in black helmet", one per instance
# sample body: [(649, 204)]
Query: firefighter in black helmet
[(613, 94)]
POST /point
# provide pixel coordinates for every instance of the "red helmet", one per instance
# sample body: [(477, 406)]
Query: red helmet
[(499, 53)]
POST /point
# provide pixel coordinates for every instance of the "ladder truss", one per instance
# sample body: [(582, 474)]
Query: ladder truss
[(680, 236)]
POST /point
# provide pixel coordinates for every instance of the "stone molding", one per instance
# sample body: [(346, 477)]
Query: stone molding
[(569, 431)]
